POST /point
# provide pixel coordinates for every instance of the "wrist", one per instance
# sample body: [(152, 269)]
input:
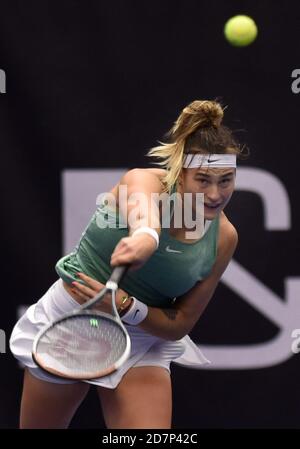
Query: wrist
[(147, 230), (136, 313), (125, 305)]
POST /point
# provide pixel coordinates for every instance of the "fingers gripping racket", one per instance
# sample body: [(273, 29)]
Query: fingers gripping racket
[(86, 343)]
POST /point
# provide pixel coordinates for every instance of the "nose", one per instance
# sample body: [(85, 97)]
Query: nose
[(213, 194)]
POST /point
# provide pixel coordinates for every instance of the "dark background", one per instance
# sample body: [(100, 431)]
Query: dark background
[(94, 85)]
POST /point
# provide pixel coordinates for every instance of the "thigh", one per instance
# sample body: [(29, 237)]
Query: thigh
[(49, 405), (142, 400)]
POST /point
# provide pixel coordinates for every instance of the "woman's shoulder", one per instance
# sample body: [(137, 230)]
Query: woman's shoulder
[(160, 172), (228, 235), (157, 172), (149, 177)]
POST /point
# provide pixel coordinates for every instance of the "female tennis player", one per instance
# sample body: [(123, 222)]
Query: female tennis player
[(161, 298)]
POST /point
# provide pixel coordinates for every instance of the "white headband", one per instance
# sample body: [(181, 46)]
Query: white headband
[(193, 160)]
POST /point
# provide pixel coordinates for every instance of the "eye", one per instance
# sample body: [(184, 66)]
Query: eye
[(224, 181)]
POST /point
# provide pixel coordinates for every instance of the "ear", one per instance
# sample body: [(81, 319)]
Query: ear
[(180, 178)]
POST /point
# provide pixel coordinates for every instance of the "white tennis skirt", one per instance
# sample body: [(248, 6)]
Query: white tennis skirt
[(146, 349)]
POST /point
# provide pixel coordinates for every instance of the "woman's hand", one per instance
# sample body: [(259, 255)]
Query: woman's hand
[(134, 251), (91, 288)]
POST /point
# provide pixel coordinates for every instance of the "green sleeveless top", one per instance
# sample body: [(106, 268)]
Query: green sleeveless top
[(171, 271)]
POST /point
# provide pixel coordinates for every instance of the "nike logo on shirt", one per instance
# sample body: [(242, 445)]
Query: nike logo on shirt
[(169, 250)]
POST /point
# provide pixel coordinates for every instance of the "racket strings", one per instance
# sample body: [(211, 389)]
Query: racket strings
[(84, 345)]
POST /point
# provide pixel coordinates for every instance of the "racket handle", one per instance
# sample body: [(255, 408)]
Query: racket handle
[(118, 273)]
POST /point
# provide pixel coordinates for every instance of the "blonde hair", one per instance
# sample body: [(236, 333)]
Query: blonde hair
[(198, 129)]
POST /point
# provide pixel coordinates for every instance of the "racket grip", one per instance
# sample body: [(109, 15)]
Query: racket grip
[(118, 273)]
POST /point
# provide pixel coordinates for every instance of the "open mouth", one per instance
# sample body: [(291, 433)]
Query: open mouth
[(213, 207)]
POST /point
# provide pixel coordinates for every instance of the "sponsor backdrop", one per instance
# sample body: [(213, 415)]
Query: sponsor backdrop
[(86, 90)]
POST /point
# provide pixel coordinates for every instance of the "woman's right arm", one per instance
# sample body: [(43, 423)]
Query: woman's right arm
[(140, 208)]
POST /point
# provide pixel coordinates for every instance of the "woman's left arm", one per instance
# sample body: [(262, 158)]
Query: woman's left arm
[(177, 321)]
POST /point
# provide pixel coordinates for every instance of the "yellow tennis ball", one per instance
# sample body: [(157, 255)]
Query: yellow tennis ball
[(240, 30)]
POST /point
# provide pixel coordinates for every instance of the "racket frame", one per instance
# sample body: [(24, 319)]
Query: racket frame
[(86, 309)]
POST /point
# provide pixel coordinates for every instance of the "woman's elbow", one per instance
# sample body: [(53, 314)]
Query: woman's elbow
[(179, 333)]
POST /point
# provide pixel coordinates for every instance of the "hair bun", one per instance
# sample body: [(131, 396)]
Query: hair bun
[(198, 114), (209, 113)]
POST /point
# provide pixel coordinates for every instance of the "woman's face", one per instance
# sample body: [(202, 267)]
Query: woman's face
[(217, 185)]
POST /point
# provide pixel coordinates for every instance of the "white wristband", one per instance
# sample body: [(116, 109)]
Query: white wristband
[(136, 314), (149, 231)]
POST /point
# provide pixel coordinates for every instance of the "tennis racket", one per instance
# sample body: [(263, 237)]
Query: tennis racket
[(86, 343)]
